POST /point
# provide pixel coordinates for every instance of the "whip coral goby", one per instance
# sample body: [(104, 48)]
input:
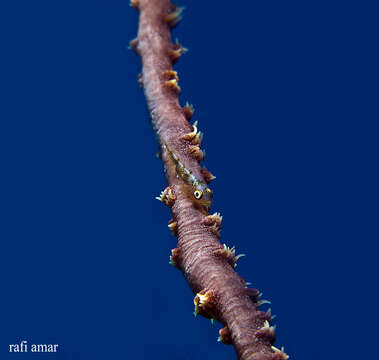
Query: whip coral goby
[(220, 293)]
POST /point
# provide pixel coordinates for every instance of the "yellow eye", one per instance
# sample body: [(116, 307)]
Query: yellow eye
[(197, 194)]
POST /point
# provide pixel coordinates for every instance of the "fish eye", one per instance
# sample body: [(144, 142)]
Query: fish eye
[(197, 194)]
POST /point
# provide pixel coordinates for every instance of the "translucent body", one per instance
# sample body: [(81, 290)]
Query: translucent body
[(197, 191)]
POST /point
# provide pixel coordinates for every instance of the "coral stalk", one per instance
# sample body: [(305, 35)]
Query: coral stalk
[(208, 266)]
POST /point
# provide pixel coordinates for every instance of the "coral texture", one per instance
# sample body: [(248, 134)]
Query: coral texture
[(208, 266)]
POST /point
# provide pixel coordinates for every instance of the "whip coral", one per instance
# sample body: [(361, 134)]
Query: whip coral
[(208, 266)]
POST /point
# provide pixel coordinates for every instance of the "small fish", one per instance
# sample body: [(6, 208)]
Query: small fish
[(198, 191)]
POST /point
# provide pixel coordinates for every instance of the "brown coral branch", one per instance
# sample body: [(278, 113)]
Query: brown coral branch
[(220, 293)]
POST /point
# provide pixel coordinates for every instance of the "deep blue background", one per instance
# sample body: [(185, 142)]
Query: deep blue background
[(283, 92)]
